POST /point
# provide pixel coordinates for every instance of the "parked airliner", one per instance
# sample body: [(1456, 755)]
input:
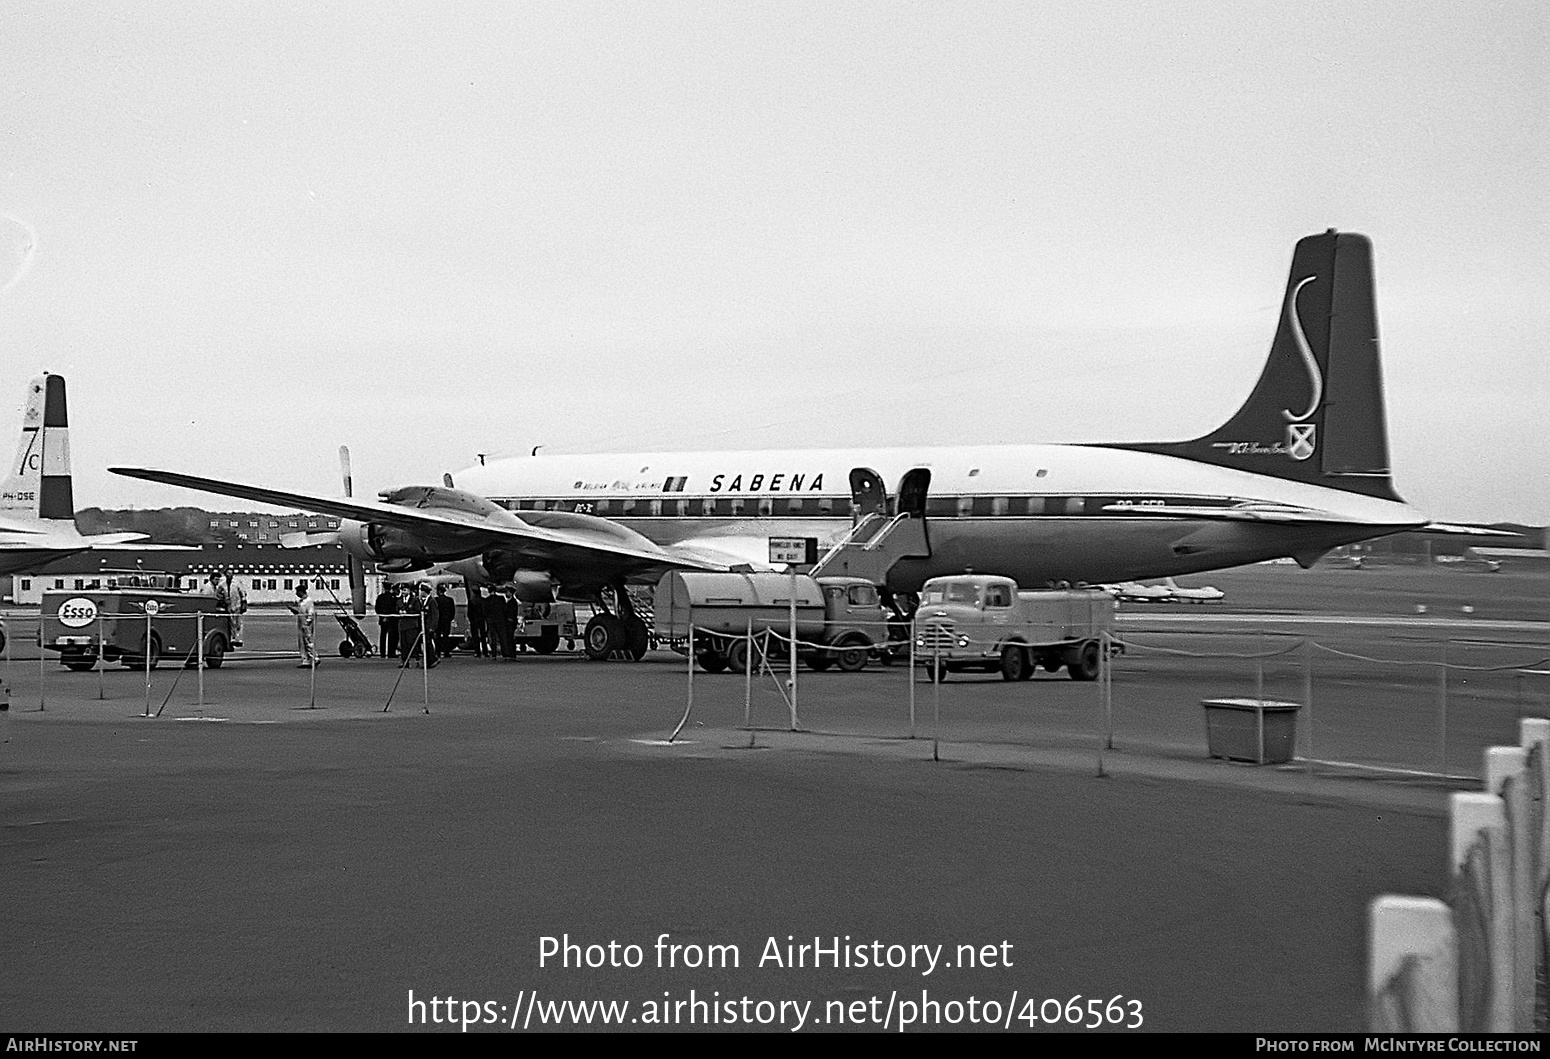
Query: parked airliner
[(1300, 468)]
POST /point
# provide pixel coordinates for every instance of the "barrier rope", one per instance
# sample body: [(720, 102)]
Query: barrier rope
[(192, 651)]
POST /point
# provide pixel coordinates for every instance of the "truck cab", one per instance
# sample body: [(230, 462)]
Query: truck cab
[(985, 622)]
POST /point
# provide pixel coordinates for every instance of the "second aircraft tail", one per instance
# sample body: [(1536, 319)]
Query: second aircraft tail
[(38, 484)]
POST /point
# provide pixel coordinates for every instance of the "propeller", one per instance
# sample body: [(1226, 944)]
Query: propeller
[(356, 571)]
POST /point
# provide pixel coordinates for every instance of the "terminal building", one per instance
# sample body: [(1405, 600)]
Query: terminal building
[(267, 572)]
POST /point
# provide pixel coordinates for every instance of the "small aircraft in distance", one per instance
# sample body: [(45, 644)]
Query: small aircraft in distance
[(1170, 591)]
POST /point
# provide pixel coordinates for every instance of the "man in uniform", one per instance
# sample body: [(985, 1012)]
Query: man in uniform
[(476, 618), (237, 604), (495, 623), (306, 625), (446, 612), (386, 606)]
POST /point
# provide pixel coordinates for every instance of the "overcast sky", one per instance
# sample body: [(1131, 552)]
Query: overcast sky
[(250, 233)]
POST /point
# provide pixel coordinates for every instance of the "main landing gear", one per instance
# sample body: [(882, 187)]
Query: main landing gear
[(616, 635)]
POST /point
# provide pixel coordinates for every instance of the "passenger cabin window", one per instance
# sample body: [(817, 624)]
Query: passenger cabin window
[(1000, 505), (965, 506), (710, 506), (998, 596), (625, 507), (735, 506), (982, 505), (794, 507), (766, 507), (825, 506), (680, 507), (1055, 505), (655, 507)]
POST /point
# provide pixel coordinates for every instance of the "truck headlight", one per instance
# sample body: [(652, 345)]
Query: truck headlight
[(963, 641)]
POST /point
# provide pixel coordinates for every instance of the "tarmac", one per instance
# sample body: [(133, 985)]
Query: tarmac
[(257, 865)]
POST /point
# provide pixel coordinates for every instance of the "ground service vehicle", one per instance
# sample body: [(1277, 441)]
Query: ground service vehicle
[(72, 622), (841, 617), (974, 621)]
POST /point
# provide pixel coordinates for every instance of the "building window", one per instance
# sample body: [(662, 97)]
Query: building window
[(215, 523), (59, 582), (312, 523), (253, 523), (291, 583), (291, 523), (80, 583), (333, 583), (26, 584)]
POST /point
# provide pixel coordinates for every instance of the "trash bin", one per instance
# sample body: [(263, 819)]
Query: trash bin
[(1258, 730)]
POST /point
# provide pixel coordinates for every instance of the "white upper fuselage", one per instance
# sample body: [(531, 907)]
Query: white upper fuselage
[(1031, 512)]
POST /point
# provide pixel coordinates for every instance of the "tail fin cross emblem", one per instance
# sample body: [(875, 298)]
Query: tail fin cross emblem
[(1300, 440)]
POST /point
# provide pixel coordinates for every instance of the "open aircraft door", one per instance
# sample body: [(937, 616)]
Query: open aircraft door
[(867, 495), (913, 488)]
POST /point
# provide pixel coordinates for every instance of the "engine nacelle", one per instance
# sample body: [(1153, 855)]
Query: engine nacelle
[(499, 567), (374, 542)]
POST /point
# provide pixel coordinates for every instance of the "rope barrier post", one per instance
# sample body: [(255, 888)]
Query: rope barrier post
[(1307, 694), (149, 613), (1105, 643), (936, 697), (1442, 711), (41, 653), (102, 660), (748, 682), (913, 672), (425, 662), (199, 632), (1259, 677), (690, 704), (792, 649)]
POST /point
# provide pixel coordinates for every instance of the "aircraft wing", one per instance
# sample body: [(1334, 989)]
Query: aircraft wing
[(1465, 530), (537, 544)]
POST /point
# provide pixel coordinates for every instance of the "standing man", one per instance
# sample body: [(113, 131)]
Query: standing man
[(431, 613), (306, 625), (476, 617), (386, 606), (237, 604), (495, 623), (446, 612), (218, 590), (513, 622), (409, 634)]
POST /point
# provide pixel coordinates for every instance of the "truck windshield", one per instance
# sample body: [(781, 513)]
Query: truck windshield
[(934, 595), (963, 592)]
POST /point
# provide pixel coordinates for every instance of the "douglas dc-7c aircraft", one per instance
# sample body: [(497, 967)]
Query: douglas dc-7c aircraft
[(1301, 468), (37, 503)]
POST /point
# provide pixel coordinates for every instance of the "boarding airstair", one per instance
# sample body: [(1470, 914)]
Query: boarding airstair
[(878, 540)]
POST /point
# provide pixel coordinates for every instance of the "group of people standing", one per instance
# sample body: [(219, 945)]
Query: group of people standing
[(402, 630), (494, 618), (230, 598)]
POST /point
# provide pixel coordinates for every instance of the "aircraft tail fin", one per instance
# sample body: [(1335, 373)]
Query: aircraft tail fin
[(1316, 415), (38, 484)]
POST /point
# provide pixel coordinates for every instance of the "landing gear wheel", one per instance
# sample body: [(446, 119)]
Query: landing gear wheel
[(852, 657), (1014, 663), (604, 635), (637, 638), (1085, 666)]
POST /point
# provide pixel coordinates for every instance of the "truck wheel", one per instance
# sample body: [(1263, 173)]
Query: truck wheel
[(548, 640), (713, 661), (1085, 665), (2, 639), (851, 658), (936, 672), (1014, 663), (818, 661), (77, 661), (139, 661), (215, 650), (740, 659)]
